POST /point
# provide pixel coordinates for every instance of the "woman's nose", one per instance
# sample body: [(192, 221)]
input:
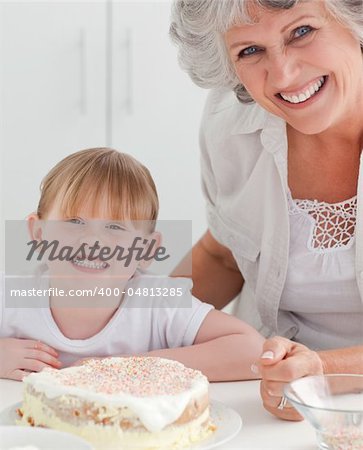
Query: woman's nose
[(282, 71)]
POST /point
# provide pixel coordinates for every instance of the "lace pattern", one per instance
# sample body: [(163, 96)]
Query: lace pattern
[(334, 223)]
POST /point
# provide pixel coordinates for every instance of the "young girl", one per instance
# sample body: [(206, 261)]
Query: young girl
[(98, 199)]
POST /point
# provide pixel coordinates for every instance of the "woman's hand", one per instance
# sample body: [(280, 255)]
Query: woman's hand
[(19, 357), (283, 361)]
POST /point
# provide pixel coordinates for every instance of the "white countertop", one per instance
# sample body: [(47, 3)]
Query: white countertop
[(259, 431)]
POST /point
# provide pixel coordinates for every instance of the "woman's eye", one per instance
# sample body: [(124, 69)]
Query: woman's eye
[(249, 51), (301, 31)]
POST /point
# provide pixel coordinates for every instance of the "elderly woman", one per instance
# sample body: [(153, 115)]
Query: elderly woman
[(281, 142)]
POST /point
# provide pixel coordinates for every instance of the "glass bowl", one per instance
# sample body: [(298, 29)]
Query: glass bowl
[(333, 404)]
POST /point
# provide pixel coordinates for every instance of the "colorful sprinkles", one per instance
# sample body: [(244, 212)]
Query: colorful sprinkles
[(137, 376), (347, 439)]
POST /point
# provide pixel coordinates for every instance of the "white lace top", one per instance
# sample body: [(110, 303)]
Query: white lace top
[(321, 294)]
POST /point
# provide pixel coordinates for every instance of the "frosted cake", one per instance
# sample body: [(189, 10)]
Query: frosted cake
[(137, 402)]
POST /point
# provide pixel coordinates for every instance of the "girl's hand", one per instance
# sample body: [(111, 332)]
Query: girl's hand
[(19, 357), (283, 361)]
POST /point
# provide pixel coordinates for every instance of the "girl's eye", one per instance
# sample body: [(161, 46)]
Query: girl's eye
[(249, 51), (301, 31), (115, 226), (76, 221)]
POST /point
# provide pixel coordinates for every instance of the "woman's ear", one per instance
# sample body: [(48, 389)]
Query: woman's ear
[(34, 227), (153, 243)]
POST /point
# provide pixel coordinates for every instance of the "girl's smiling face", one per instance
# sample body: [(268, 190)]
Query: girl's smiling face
[(90, 229), (301, 65)]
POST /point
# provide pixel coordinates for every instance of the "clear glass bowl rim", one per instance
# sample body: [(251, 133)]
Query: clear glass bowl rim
[(317, 408)]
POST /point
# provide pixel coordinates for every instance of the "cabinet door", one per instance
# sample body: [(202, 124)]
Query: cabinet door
[(155, 107), (52, 91)]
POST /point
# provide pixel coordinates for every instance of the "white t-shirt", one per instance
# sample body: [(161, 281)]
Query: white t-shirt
[(140, 324)]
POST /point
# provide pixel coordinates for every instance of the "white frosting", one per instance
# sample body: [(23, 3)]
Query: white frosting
[(155, 412)]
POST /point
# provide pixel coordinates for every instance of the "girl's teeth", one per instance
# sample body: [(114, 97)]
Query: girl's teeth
[(304, 95), (90, 264)]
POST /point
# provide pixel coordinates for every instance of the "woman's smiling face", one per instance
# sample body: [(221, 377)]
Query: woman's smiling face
[(300, 64)]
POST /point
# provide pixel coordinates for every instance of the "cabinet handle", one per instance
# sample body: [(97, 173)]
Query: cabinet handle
[(129, 85), (83, 70)]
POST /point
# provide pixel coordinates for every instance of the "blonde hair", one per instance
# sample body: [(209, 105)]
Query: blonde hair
[(90, 173)]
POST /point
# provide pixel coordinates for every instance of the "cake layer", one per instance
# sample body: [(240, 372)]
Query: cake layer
[(111, 436), (137, 402), (75, 410), (157, 390)]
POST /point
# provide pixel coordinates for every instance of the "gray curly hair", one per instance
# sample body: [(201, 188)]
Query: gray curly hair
[(198, 26)]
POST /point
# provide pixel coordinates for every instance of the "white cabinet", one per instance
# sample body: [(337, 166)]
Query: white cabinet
[(53, 94), (86, 74), (156, 108)]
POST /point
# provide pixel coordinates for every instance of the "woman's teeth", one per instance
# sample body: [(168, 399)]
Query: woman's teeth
[(90, 264), (305, 95)]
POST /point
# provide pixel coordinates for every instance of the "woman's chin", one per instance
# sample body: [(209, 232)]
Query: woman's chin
[(309, 128)]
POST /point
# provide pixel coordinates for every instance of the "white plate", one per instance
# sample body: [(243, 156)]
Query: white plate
[(40, 438), (227, 421)]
